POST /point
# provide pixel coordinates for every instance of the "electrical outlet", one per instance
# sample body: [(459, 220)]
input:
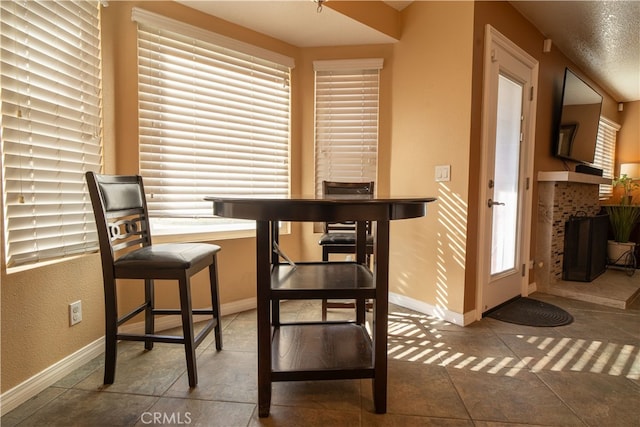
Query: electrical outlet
[(75, 312)]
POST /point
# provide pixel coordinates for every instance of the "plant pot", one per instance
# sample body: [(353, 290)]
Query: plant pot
[(622, 219), (617, 251)]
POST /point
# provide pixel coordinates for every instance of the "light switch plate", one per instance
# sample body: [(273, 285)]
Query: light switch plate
[(443, 173)]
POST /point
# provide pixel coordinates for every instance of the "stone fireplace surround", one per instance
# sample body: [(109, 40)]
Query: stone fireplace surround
[(562, 194)]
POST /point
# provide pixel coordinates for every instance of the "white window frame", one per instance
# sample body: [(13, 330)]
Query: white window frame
[(51, 129), (347, 94), (230, 136)]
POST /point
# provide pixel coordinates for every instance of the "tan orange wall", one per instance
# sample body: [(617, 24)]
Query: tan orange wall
[(375, 14), (514, 26), (431, 104), (35, 317), (237, 276), (628, 146), (35, 332), (429, 115), (628, 143)]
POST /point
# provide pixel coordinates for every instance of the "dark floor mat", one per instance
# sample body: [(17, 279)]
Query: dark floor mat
[(531, 312)]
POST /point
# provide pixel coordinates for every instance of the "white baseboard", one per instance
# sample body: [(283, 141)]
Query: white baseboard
[(24, 391), (19, 394), (238, 306), (428, 309)]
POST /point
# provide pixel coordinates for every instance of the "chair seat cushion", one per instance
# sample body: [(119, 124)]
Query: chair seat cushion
[(342, 239), (166, 256)]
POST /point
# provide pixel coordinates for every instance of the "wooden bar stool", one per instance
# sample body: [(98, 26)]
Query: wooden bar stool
[(340, 237), (122, 222)]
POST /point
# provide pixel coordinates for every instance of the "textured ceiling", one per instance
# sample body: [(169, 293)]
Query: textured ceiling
[(601, 37)]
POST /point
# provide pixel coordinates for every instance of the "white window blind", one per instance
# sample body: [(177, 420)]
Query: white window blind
[(605, 153), (213, 120), (346, 120), (51, 126)]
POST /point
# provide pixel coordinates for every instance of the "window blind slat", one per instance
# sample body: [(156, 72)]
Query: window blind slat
[(51, 126), (212, 121), (194, 33), (605, 154), (42, 99), (346, 120)]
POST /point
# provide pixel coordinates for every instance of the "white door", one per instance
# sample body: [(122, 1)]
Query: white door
[(505, 211)]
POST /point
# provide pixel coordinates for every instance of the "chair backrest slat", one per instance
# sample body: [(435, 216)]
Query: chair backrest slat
[(342, 188), (120, 210), (334, 187), (126, 244), (121, 196)]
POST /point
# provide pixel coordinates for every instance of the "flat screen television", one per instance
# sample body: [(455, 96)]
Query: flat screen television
[(577, 131)]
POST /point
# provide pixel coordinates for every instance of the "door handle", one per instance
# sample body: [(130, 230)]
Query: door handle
[(491, 203)]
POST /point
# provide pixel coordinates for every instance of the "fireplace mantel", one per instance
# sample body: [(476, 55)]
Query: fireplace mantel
[(568, 176)]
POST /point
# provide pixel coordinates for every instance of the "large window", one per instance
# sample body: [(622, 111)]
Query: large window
[(605, 153), (213, 116), (346, 120), (51, 127)]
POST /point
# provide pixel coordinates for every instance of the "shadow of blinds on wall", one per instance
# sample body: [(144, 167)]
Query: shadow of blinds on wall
[(51, 127), (214, 118), (346, 120)]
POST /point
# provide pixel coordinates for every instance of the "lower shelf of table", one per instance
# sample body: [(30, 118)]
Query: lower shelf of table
[(321, 351), (314, 280)]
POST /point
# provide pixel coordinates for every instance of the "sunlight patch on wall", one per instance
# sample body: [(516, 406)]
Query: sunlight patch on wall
[(451, 243), (452, 215)]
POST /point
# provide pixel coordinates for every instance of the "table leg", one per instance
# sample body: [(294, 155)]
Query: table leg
[(361, 257), (380, 316), (275, 259), (263, 271)]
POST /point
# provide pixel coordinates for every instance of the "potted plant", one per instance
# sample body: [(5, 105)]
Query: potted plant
[(627, 188), (623, 218)]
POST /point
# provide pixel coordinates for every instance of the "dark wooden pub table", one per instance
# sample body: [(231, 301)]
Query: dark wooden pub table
[(304, 351)]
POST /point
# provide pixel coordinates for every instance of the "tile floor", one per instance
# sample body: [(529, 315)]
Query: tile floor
[(487, 374)]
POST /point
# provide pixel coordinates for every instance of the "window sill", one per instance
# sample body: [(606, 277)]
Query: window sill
[(42, 264), (173, 231), (178, 236)]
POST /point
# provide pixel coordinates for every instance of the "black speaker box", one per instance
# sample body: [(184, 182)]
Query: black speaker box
[(588, 170)]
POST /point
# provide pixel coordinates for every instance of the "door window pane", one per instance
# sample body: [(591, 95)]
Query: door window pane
[(507, 171)]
